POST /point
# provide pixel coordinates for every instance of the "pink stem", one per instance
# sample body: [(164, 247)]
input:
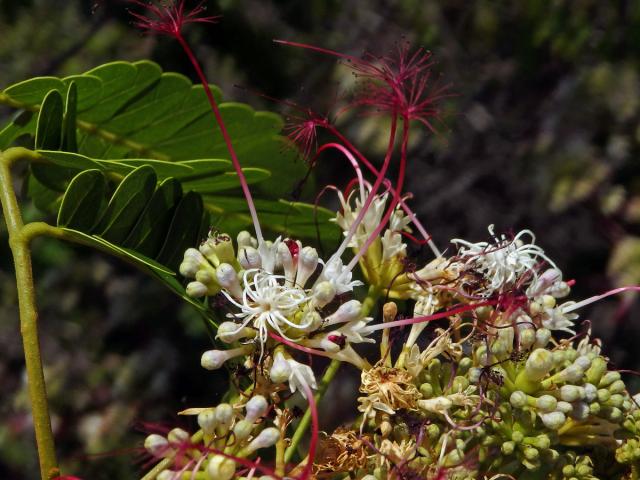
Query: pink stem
[(429, 318), (372, 193), (352, 160), (392, 206), (405, 207), (315, 430), (225, 135), (302, 348), (595, 298)]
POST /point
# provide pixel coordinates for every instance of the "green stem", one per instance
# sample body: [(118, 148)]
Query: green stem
[(367, 305), (20, 247)]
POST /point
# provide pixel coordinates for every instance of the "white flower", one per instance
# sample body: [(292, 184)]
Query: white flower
[(557, 319), (504, 261), (298, 375), (339, 276), (266, 303)]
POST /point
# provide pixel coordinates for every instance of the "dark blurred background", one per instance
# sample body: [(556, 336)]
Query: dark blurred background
[(543, 133)]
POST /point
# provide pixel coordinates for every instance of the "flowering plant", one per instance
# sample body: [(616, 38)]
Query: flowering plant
[(480, 368)]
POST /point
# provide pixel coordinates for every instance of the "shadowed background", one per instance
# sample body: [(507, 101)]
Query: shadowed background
[(542, 133)]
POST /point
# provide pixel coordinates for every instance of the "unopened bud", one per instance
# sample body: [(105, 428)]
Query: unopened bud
[(245, 239), (323, 293), (179, 436), (221, 468), (280, 370), (256, 407), (207, 421), (571, 393), (156, 445), (266, 438), (228, 279), (546, 403), (539, 363), (346, 312), (249, 258), (553, 420), (243, 429), (196, 289), (307, 264)]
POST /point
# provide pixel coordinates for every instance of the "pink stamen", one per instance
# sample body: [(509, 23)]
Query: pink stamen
[(315, 432), (595, 298), (296, 346), (429, 318), (170, 22), (354, 163)]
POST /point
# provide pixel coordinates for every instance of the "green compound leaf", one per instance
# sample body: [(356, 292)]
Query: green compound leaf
[(127, 204), (69, 139), (134, 110), (84, 201), (49, 125)]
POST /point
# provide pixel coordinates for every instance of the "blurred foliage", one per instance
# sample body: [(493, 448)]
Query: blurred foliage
[(543, 133)]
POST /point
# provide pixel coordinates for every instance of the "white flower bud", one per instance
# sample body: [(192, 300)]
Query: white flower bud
[(224, 416), (571, 393), (196, 289), (266, 438), (546, 403), (221, 468), (518, 399), (228, 279), (553, 420), (249, 258), (207, 421), (284, 258), (346, 312), (548, 301), (191, 263), (580, 411), (242, 430), (178, 435), (307, 264), (156, 445), (256, 407), (564, 407), (573, 373), (229, 332), (539, 363), (280, 370), (166, 475), (609, 378), (590, 392), (583, 361), (246, 240), (543, 335), (214, 359), (323, 293)]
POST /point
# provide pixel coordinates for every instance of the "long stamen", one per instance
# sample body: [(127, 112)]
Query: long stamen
[(352, 160), (595, 298), (372, 193), (412, 216), (225, 134)]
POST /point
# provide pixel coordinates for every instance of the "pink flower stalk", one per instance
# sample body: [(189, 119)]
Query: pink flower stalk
[(315, 432), (169, 20)]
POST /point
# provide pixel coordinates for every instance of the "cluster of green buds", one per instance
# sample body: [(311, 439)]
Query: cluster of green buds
[(225, 443)]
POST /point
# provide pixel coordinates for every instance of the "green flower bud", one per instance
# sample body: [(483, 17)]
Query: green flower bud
[(617, 387), (518, 399), (507, 448), (615, 414), (474, 375), (426, 389), (464, 365), (616, 400), (594, 408), (517, 436), (531, 453), (527, 338), (459, 384), (568, 470), (221, 468), (538, 365), (604, 395), (546, 403), (608, 379), (224, 416), (207, 421), (178, 436), (242, 430), (597, 369)]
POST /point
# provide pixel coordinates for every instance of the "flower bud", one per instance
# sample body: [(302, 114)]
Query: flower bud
[(553, 420), (474, 374), (191, 263), (583, 361), (284, 258), (564, 407), (245, 239), (590, 392), (214, 359), (307, 264), (323, 293), (179, 436), (543, 335), (539, 363), (527, 337), (256, 407), (609, 378), (546, 403), (228, 279), (196, 289), (221, 468), (224, 416), (597, 369), (571, 393), (207, 421), (156, 445), (280, 370), (508, 447), (229, 332), (518, 399), (346, 312), (249, 258), (166, 475), (617, 387), (266, 438), (580, 411), (243, 429)]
